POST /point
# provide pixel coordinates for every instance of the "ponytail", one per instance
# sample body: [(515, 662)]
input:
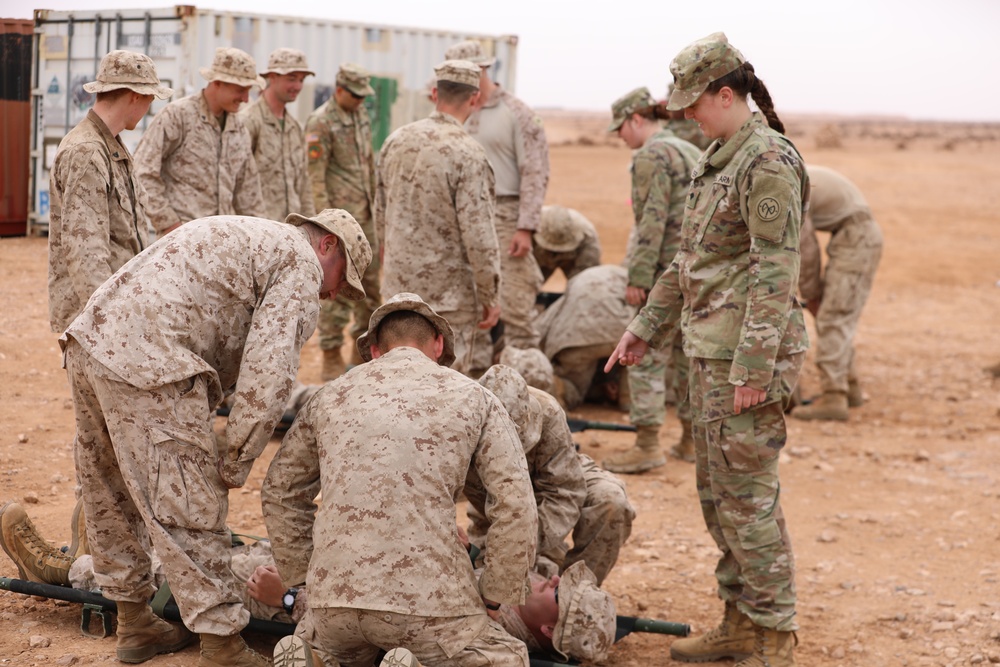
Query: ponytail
[(743, 82)]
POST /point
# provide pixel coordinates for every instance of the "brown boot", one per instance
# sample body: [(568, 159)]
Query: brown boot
[(772, 649), (292, 651), (80, 546), (733, 638), (855, 397), (141, 635), (36, 559), (399, 657), (830, 406), (683, 449), (559, 390), (333, 365), (645, 455), (231, 651)]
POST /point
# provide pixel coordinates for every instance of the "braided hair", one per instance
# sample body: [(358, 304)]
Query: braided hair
[(743, 82)]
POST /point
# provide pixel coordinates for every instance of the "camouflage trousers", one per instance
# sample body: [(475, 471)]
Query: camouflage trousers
[(576, 366), (353, 638), (335, 315), (737, 480), (473, 346), (854, 253), (146, 460), (647, 385), (520, 280)]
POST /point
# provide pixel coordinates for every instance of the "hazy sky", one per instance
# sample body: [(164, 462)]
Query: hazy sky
[(938, 60)]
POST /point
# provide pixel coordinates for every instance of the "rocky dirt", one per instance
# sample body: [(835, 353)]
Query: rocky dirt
[(894, 515)]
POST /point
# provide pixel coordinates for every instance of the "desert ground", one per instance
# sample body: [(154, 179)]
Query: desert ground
[(894, 515)]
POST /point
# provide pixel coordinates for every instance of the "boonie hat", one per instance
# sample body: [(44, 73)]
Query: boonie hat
[(286, 61), (356, 79), (532, 364), (412, 302), (458, 71), (558, 231), (232, 65), (523, 408), (357, 251), (698, 65), (628, 104), (587, 620), (470, 50), (127, 69)]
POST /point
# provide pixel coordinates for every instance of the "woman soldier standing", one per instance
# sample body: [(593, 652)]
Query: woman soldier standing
[(732, 288)]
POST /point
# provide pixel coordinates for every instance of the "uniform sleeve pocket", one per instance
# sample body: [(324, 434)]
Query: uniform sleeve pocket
[(769, 207), (187, 490)]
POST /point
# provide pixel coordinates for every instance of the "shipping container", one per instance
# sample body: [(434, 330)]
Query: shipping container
[(15, 120), (182, 39)]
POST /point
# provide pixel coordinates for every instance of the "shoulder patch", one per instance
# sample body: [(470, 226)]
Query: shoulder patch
[(768, 207), (312, 137)]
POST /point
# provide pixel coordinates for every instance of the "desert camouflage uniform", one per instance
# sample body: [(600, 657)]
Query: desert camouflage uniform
[(278, 146), (434, 217), (732, 288), (515, 143), (571, 262), (688, 130), (595, 296), (193, 168), (98, 220), (855, 248), (220, 300), (390, 445), (661, 171), (342, 172)]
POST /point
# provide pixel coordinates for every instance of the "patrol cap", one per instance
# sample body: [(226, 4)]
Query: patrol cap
[(231, 65), (413, 303), (557, 231), (356, 79), (532, 364), (286, 61), (127, 69), (458, 71), (523, 408), (587, 619), (357, 251), (698, 65), (628, 104), (470, 50)]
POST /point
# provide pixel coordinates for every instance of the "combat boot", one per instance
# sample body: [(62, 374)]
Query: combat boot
[(645, 455), (733, 638), (292, 651), (333, 365), (80, 546), (830, 406), (36, 559), (559, 390), (399, 657), (855, 397), (141, 635), (231, 651), (772, 649), (683, 449)]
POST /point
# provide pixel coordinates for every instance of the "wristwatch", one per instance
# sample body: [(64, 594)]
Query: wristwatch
[(288, 600)]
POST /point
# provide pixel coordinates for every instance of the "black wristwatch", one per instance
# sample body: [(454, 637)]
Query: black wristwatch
[(288, 600)]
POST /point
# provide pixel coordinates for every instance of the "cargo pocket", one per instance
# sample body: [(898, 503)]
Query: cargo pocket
[(187, 490), (757, 536)]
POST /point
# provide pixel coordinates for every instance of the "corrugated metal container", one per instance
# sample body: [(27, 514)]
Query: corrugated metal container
[(183, 38), (15, 120)]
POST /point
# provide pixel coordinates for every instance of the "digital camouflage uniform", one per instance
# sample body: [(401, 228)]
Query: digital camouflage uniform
[(567, 241), (854, 250), (193, 168), (434, 217), (732, 289), (390, 445), (222, 302), (342, 172)]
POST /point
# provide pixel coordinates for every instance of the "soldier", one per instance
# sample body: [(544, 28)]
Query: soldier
[(574, 495), (661, 168), (567, 241), (515, 143), (342, 172), (98, 219), (399, 434), (835, 296), (685, 128), (195, 158), (732, 289), (276, 138), (434, 217), (224, 302)]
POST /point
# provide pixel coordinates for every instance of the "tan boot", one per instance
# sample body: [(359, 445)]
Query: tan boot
[(231, 651), (645, 455), (292, 651), (141, 635), (830, 406), (36, 559), (399, 657), (683, 449), (80, 546), (733, 638), (772, 649), (333, 365), (559, 390), (855, 397)]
